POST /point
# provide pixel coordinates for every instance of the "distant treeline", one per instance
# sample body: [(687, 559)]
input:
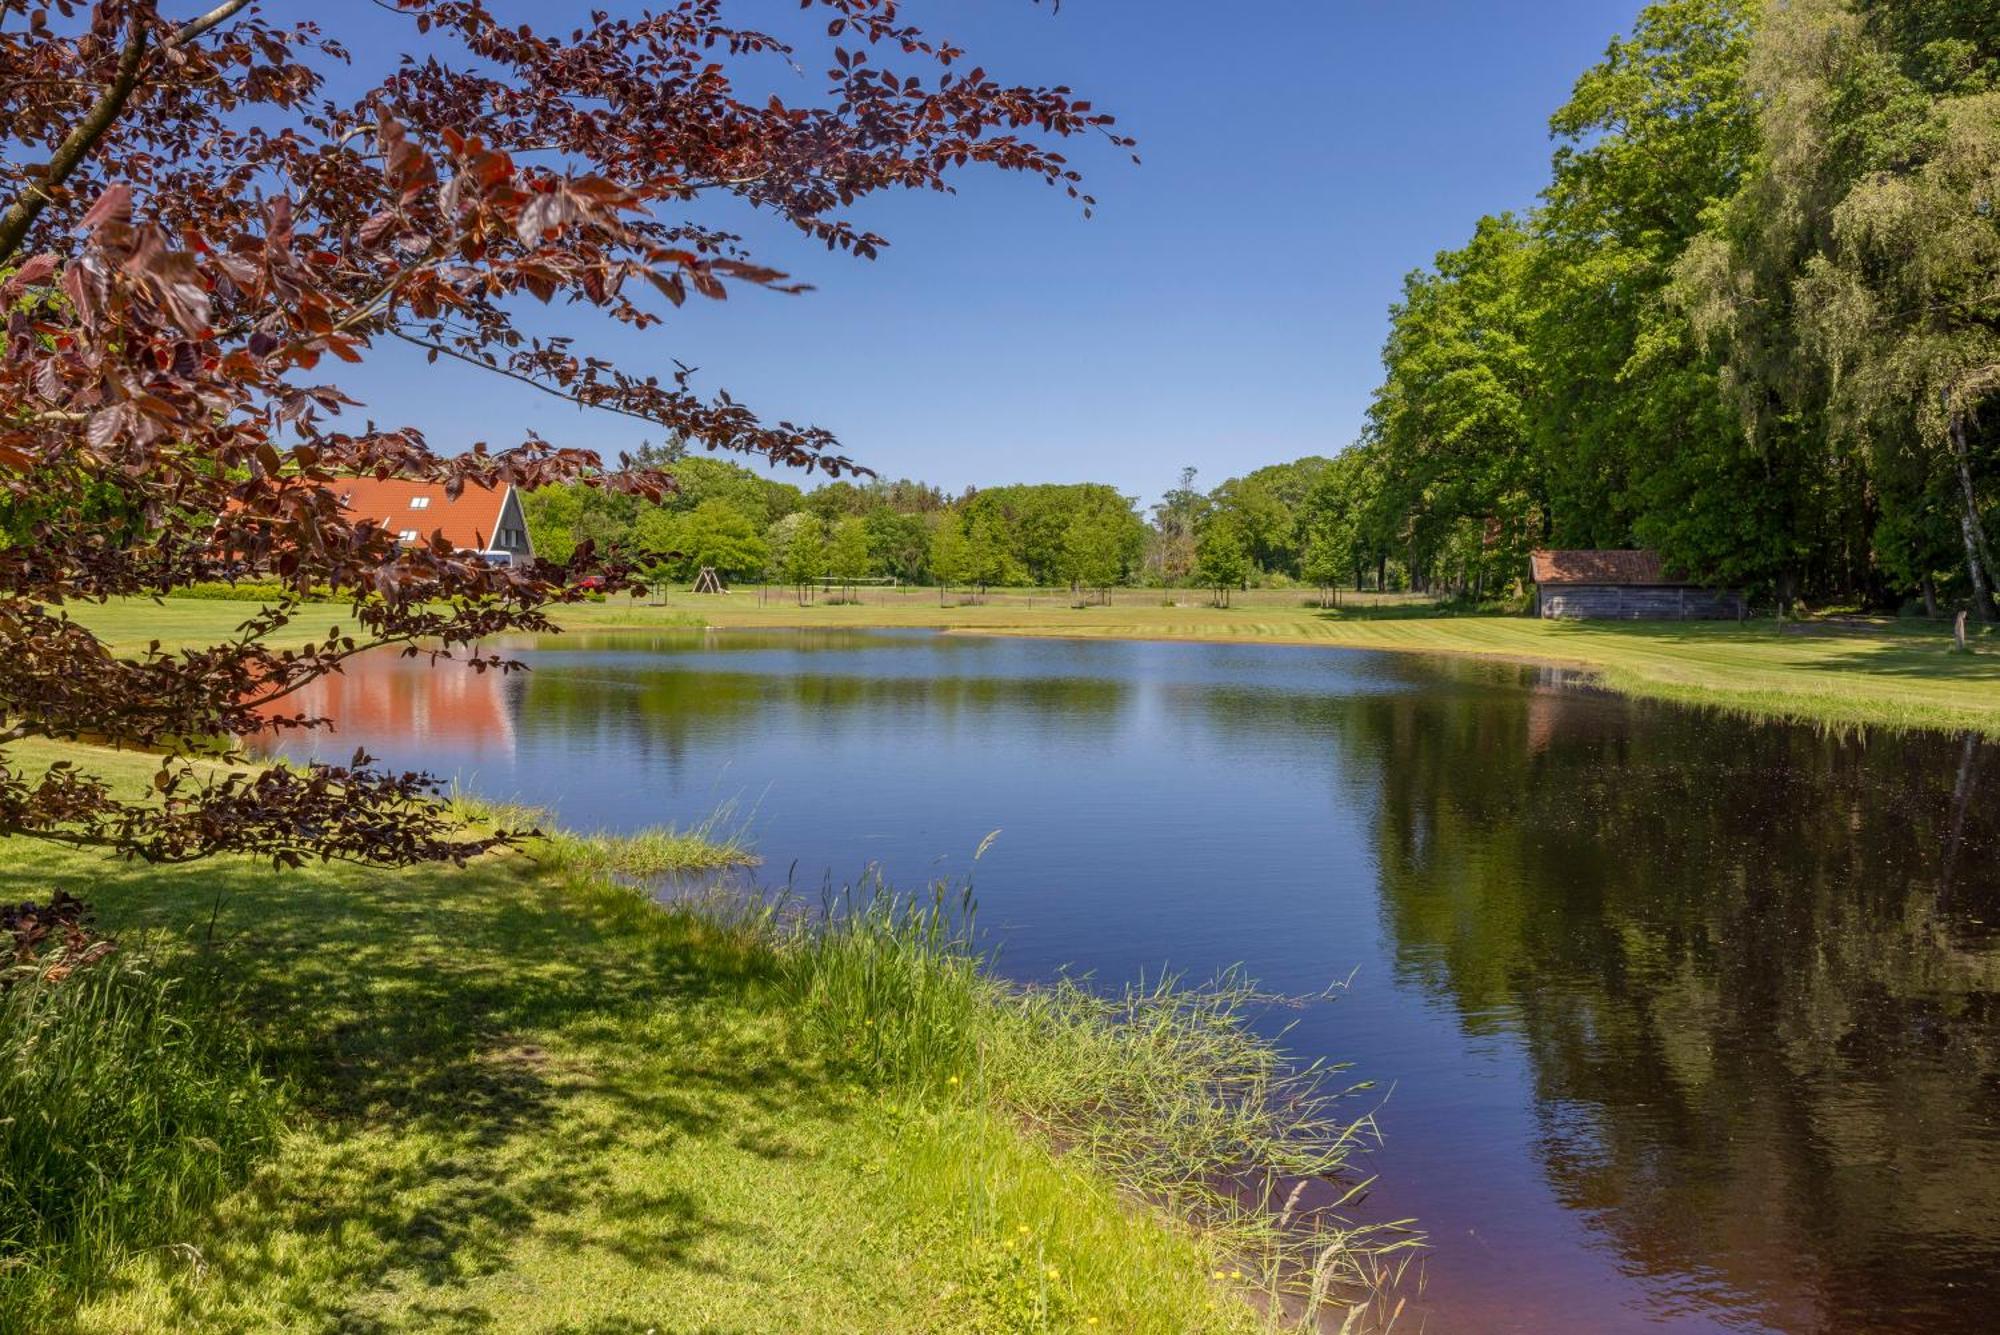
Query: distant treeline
[(748, 526)]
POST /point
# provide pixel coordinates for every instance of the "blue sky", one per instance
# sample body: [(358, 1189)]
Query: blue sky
[(1224, 308)]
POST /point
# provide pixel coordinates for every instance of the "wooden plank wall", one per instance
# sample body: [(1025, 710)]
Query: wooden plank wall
[(1640, 602)]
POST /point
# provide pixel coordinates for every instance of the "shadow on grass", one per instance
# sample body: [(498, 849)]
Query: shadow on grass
[(468, 1046)]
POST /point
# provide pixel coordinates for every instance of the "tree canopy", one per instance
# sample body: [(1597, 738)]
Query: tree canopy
[(1753, 322)]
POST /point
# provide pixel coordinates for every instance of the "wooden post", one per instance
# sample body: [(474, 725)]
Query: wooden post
[(1958, 632)]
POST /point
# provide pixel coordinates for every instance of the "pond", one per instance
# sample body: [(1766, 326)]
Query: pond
[(1678, 1021)]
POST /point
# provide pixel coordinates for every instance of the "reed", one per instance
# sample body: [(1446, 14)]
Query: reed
[(129, 1098), (1167, 1092)]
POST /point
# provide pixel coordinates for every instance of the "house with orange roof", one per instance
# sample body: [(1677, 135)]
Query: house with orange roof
[(486, 522)]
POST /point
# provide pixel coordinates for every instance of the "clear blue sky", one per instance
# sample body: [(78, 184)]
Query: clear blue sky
[(1224, 308)]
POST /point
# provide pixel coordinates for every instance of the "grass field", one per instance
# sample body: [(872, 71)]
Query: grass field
[(1880, 672), (1898, 674)]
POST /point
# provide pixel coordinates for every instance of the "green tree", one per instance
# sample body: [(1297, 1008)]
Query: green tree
[(1325, 562), (1629, 424), (988, 558), (1222, 562), (847, 552), (899, 542), (1094, 548), (798, 549), (1847, 286), (1450, 426), (713, 534), (950, 554)]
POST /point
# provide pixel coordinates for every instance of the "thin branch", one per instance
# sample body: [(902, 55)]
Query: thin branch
[(196, 27), (552, 390)]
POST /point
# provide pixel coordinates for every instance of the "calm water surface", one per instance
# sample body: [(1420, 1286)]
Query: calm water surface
[(1683, 1023)]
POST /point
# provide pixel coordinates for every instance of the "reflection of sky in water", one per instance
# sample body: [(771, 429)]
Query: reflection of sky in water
[(1683, 1017)]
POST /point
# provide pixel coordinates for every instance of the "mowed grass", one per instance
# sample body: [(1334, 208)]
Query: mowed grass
[(1879, 672), (523, 1097), (1897, 674)]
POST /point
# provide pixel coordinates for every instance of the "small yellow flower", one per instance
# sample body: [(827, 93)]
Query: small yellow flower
[(1022, 1229), (1236, 1274), (1054, 1273), (1220, 1275), (1090, 1321), (952, 1081), (1008, 1244)]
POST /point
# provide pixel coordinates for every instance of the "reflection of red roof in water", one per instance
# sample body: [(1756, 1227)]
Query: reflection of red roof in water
[(407, 700)]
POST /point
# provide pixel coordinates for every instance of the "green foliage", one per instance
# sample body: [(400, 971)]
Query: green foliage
[(1751, 325), (1222, 561), (847, 555), (1021, 534), (899, 543), (714, 533), (950, 552), (798, 548)]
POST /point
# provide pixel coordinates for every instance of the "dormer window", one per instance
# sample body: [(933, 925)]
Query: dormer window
[(420, 502), (407, 535)]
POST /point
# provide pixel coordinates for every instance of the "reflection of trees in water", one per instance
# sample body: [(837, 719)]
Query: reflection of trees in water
[(1755, 973), (671, 712)]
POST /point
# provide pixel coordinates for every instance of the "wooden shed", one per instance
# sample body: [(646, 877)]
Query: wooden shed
[(1623, 586)]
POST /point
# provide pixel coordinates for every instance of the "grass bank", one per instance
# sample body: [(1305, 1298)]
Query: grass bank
[(1884, 672), (1887, 673), (523, 1096)]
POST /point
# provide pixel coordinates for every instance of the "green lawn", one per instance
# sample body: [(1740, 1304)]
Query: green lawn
[(1900, 674)]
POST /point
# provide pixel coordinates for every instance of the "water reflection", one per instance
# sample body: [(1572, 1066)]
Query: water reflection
[(1693, 1021), (1754, 975)]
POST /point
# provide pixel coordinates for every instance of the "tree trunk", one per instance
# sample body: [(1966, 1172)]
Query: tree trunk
[(1978, 556), (1382, 573), (1929, 586)]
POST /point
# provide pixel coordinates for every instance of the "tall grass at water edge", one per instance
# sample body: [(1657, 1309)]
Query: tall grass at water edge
[(1166, 1090), (129, 1099)]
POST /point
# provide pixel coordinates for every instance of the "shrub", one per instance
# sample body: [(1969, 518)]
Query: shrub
[(253, 591)]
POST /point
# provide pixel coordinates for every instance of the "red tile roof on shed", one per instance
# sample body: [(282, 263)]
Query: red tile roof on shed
[(468, 523), (1597, 567)]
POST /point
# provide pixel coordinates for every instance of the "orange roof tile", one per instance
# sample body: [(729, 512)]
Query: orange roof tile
[(468, 523)]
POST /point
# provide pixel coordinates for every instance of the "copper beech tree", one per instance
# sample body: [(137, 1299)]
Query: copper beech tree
[(197, 231)]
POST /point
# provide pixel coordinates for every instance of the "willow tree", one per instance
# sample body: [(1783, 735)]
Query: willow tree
[(198, 224), (1850, 283), (1904, 306)]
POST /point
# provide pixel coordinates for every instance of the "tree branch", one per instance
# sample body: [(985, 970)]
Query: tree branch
[(76, 145), (82, 138)]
